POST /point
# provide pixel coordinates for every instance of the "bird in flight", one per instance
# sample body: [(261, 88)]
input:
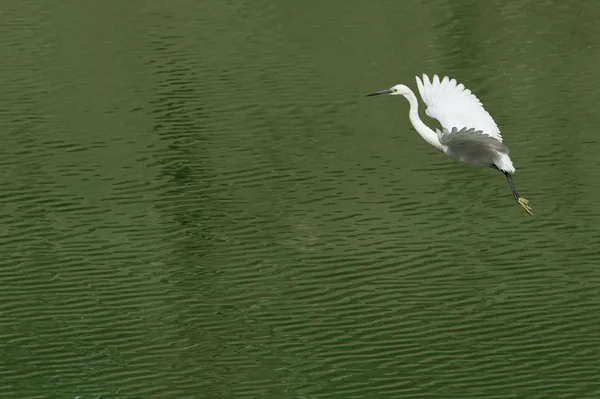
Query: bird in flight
[(469, 134)]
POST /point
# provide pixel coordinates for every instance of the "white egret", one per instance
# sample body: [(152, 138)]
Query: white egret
[(469, 134)]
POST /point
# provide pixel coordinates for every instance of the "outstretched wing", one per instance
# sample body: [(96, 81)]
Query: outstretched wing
[(455, 107), (470, 138)]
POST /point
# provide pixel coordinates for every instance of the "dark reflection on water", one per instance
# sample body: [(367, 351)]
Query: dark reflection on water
[(198, 201)]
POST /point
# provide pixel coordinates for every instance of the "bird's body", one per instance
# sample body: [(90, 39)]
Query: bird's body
[(469, 134)]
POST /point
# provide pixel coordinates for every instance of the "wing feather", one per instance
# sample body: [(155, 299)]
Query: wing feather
[(454, 106), (470, 137)]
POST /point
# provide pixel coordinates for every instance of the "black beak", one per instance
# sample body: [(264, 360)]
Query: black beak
[(378, 93)]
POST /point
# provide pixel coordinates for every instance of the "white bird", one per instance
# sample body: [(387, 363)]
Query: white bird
[(469, 134)]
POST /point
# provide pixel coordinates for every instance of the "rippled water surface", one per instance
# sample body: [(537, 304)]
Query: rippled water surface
[(198, 202)]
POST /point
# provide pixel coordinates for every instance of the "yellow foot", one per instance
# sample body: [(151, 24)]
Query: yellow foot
[(525, 205)]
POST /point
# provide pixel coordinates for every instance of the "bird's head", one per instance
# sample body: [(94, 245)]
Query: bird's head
[(398, 90)]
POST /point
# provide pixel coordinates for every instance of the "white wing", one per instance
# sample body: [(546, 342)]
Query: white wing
[(470, 138), (455, 107)]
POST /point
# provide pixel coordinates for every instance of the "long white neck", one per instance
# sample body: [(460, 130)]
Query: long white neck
[(428, 134)]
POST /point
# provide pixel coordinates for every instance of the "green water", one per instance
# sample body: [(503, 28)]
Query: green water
[(198, 202)]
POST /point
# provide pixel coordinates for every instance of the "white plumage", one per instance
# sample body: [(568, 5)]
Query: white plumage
[(455, 106), (469, 134)]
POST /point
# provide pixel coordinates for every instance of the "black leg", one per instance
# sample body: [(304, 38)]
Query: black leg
[(523, 203), (512, 186)]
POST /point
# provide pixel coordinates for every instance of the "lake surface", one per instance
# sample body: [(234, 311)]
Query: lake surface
[(199, 202)]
